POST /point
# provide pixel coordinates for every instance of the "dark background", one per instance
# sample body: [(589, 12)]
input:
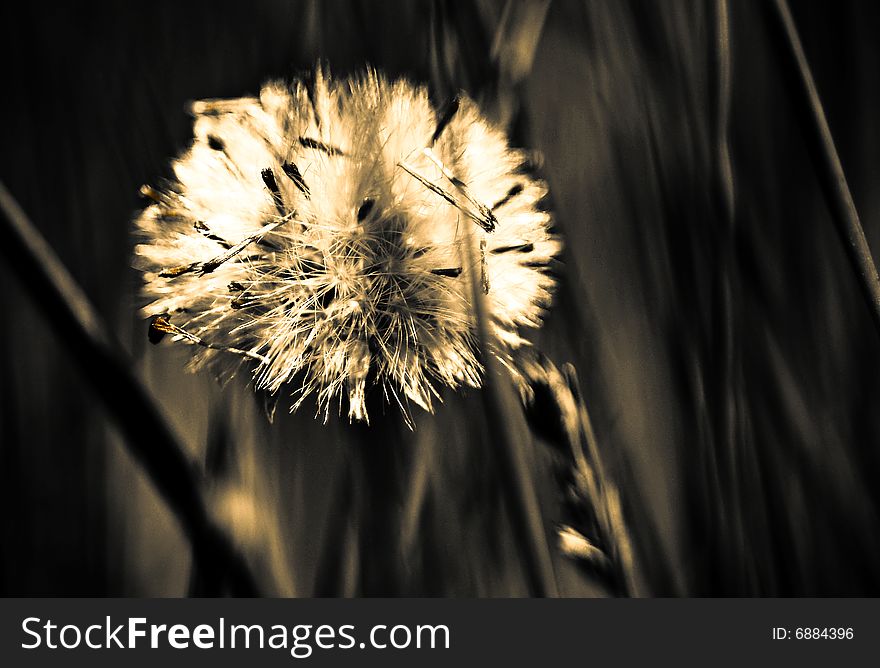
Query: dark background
[(732, 373)]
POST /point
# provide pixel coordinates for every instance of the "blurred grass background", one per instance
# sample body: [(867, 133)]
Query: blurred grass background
[(731, 372)]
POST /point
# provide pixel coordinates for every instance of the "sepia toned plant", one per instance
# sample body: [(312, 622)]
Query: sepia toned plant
[(327, 234)]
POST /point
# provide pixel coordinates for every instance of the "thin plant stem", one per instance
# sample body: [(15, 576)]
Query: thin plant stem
[(821, 144), (108, 369), (461, 57), (508, 434)]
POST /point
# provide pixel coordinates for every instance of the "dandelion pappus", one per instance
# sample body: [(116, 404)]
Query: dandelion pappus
[(313, 232)]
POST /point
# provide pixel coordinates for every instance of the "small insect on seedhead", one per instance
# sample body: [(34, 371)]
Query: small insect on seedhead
[(292, 172), (159, 327), (452, 272), (216, 143), (510, 195), (451, 108), (272, 185), (365, 209), (308, 142)]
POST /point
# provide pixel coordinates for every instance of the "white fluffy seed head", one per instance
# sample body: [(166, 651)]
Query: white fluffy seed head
[(318, 234)]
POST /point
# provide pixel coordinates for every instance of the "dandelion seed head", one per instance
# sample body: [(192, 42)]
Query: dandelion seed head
[(320, 232)]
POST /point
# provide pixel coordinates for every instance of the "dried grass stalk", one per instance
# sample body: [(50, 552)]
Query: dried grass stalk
[(593, 532)]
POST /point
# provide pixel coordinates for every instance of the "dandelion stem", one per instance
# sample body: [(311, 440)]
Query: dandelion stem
[(109, 370)]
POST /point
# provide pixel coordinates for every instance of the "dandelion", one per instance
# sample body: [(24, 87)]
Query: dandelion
[(319, 234)]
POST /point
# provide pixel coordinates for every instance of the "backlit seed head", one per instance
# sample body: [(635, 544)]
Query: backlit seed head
[(327, 235)]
